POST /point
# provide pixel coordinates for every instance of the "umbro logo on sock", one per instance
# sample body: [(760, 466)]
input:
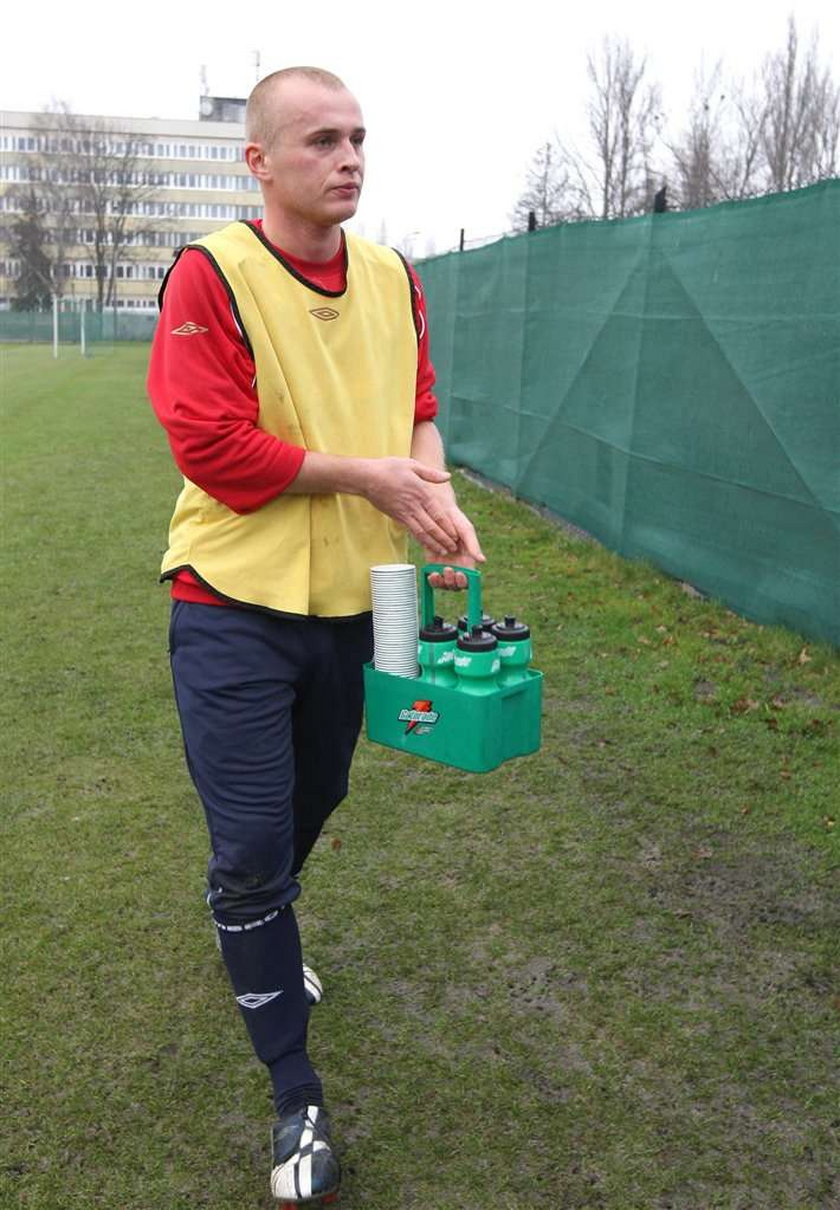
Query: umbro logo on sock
[(257, 999)]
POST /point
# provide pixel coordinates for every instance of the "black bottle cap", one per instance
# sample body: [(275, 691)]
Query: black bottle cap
[(510, 630), (486, 622), (477, 640), (438, 631)]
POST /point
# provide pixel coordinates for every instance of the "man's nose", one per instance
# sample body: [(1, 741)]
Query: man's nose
[(352, 156)]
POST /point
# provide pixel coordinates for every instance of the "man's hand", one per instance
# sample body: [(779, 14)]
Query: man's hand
[(467, 555), (416, 492), (404, 489)]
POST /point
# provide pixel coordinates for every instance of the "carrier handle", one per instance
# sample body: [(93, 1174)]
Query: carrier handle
[(474, 610)]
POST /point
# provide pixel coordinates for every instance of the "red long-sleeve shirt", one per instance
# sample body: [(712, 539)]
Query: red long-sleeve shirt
[(202, 384)]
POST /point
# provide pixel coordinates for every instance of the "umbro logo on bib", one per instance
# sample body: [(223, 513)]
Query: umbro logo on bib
[(324, 313)]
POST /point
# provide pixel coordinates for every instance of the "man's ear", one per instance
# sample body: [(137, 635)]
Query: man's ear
[(256, 159)]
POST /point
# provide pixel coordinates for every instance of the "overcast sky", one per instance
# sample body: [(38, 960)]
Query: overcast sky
[(457, 95)]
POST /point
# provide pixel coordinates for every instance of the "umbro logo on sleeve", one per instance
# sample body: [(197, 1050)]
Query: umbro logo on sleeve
[(324, 313), (188, 329)]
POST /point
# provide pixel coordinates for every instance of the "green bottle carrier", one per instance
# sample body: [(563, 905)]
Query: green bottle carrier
[(449, 724)]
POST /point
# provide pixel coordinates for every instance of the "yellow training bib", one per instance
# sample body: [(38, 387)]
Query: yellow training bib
[(336, 374)]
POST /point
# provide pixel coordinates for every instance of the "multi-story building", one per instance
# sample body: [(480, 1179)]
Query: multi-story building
[(183, 180)]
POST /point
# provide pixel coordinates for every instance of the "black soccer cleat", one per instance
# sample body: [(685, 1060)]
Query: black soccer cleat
[(303, 1167)]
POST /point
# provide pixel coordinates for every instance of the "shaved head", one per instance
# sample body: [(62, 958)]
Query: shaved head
[(305, 146), (261, 117)]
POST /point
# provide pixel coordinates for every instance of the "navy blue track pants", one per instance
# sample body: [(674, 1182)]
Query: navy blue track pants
[(270, 712)]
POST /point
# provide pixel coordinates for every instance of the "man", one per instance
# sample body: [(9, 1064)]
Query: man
[(291, 371)]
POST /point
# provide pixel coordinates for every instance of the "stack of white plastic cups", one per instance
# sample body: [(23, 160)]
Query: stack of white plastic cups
[(394, 593)]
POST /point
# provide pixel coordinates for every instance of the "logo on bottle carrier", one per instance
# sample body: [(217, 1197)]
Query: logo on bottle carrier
[(420, 718)]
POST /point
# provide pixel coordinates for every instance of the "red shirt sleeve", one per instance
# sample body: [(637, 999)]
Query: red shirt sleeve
[(426, 405), (202, 386)]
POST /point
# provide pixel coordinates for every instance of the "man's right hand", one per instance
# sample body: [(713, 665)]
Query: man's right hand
[(402, 488)]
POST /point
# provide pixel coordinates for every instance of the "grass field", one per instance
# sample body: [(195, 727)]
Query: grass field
[(601, 977)]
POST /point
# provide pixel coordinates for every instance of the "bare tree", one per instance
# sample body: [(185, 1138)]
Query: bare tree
[(623, 116), (826, 145), (718, 156), (614, 175), (779, 132), (93, 182), (739, 157), (695, 177), (801, 115), (550, 192)]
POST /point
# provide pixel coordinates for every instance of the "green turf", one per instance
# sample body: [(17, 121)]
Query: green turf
[(601, 977)]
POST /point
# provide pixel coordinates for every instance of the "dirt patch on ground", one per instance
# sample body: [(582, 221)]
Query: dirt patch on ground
[(731, 889)]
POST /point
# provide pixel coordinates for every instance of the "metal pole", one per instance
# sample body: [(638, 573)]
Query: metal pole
[(461, 241), (55, 324), (82, 325)]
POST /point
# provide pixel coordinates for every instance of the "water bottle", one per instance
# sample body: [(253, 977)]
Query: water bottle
[(477, 662), (436, 652), (515, 651)]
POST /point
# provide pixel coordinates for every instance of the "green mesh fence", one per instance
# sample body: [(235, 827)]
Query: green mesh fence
[(36, 327), (669, 383)]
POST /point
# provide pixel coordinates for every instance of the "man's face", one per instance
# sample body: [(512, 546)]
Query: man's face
[(315, 162)]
